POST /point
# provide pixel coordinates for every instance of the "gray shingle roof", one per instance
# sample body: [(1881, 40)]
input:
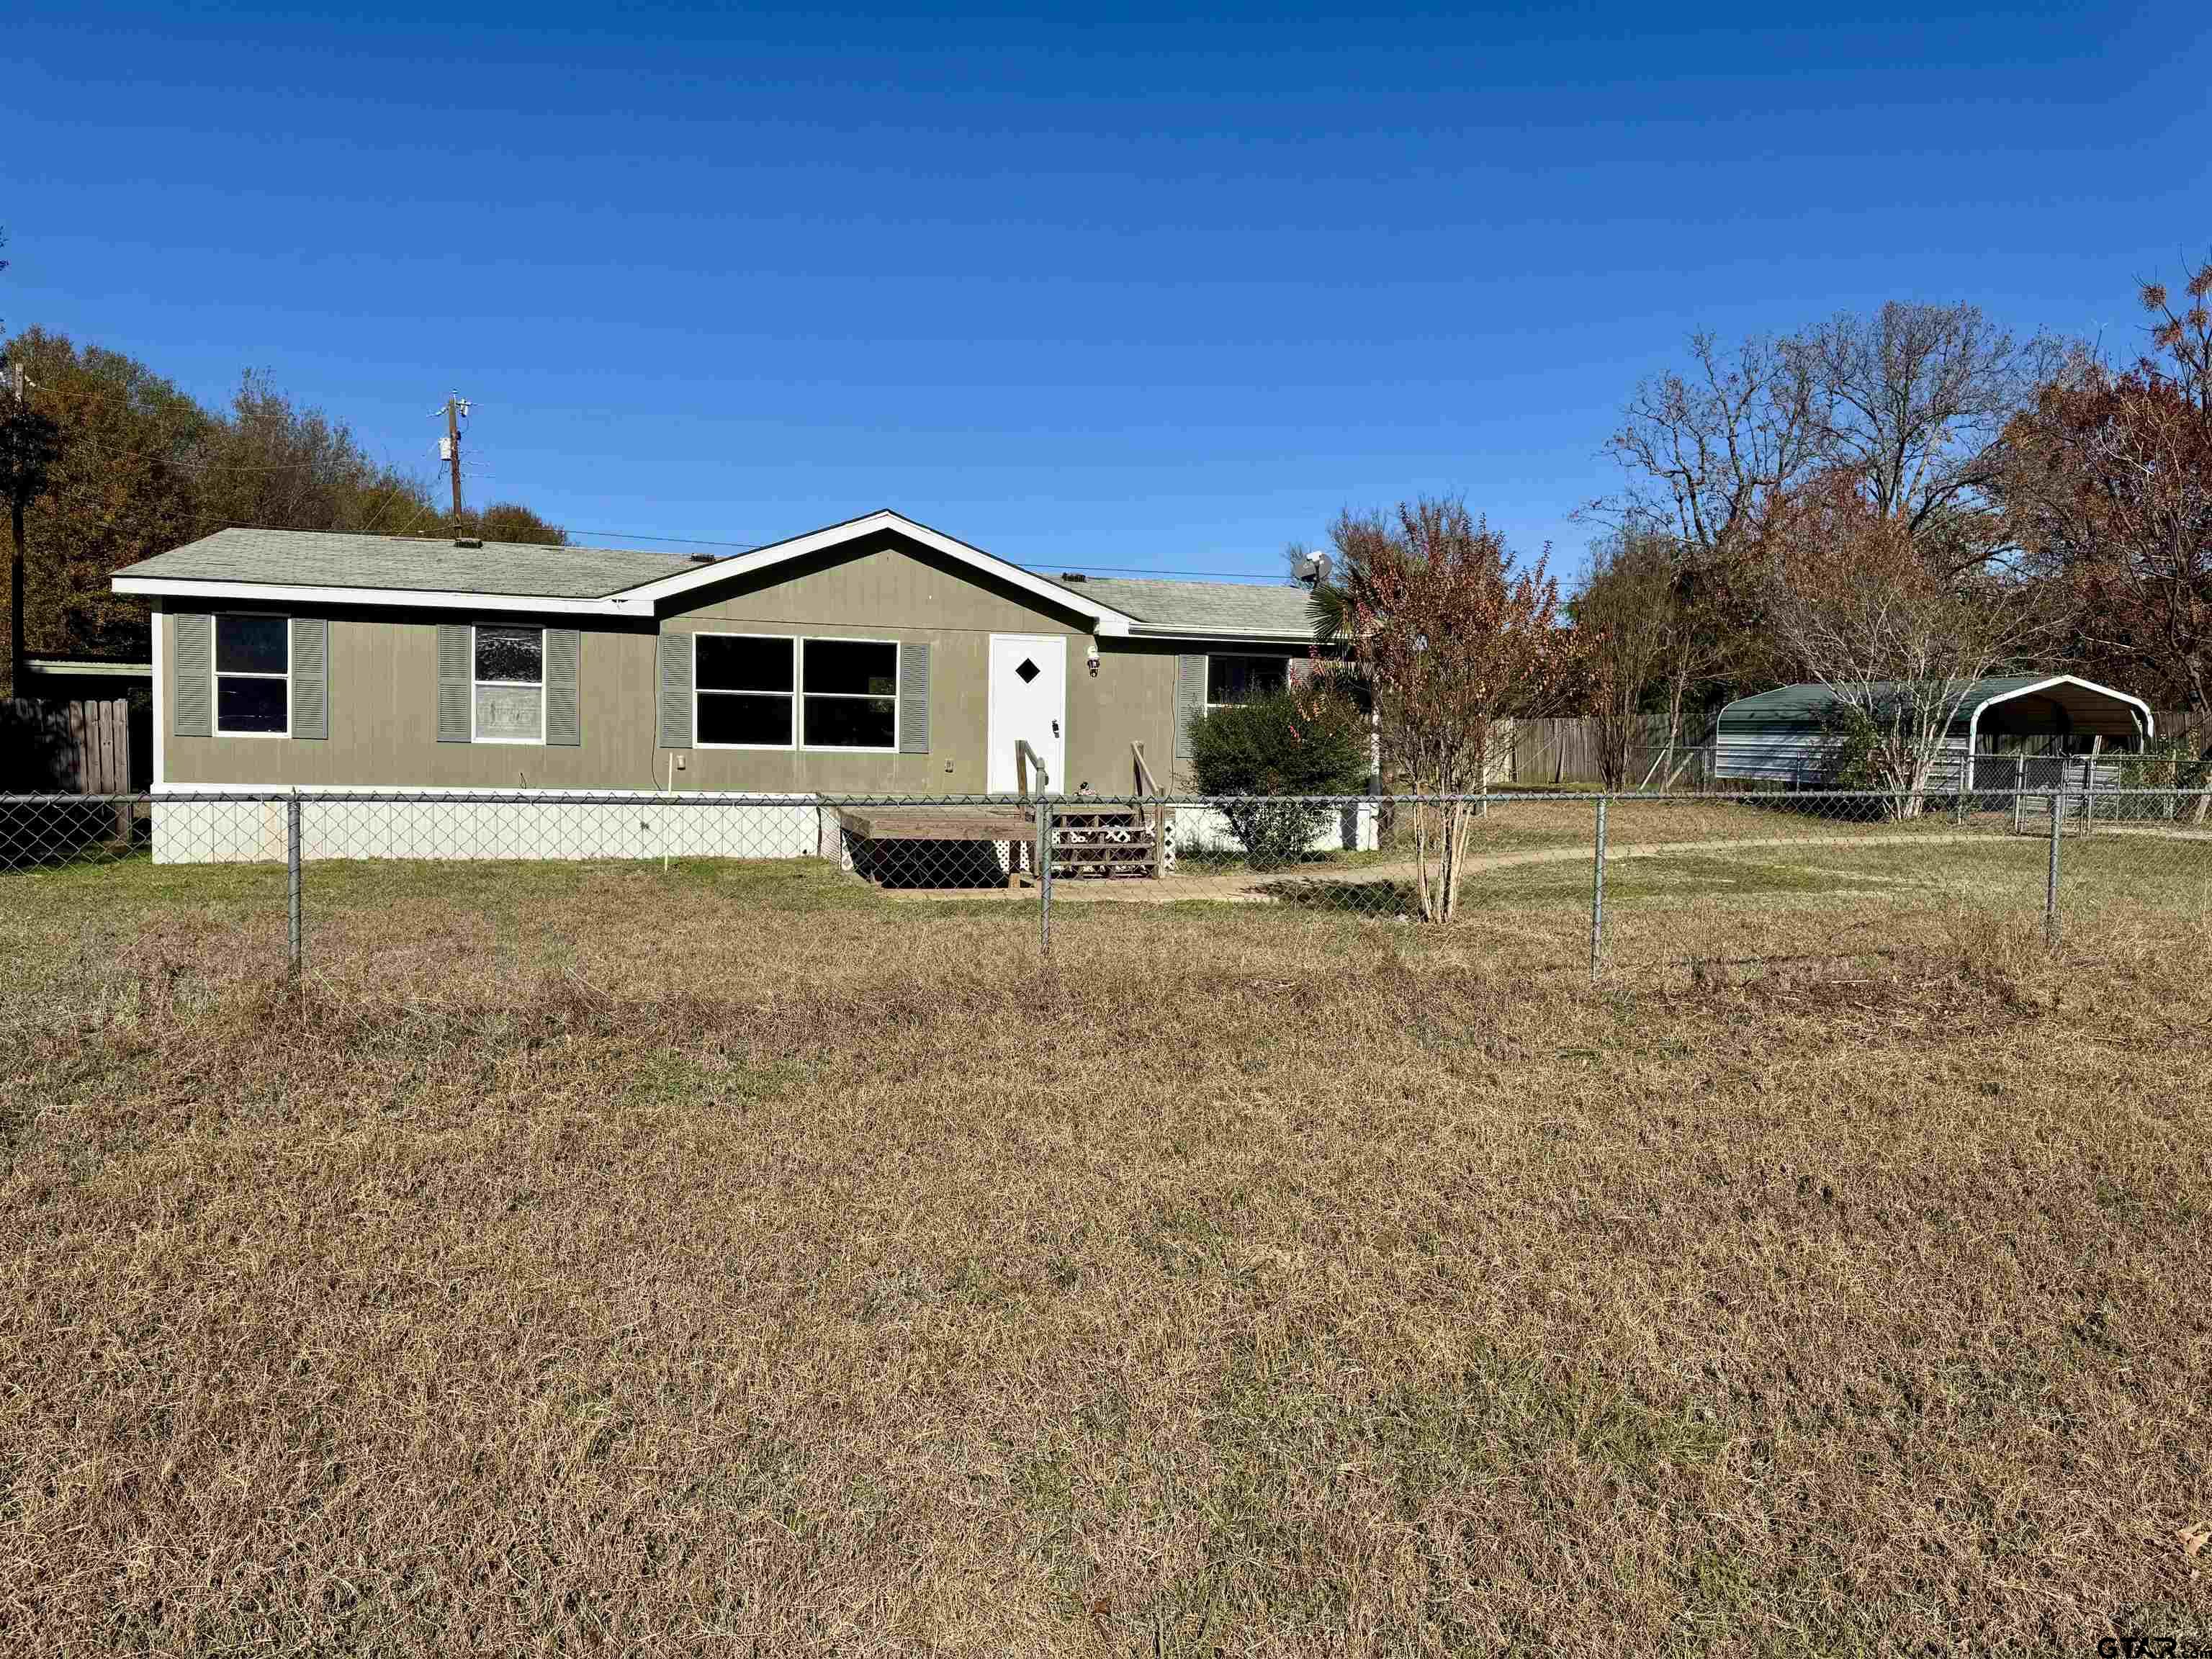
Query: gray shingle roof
[(1204, 607), (310, 558), (307, 558)]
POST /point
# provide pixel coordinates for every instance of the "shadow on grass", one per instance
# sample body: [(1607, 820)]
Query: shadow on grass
[(1682, 877), (1384, 898)]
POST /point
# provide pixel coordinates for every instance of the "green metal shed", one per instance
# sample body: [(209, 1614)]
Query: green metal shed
[(1790, 734)]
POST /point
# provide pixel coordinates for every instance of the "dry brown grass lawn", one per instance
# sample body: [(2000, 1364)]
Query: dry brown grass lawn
[(596, 1259)]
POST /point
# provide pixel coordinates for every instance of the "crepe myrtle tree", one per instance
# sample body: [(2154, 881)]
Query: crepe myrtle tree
[(1449, 637), (1893, 627)]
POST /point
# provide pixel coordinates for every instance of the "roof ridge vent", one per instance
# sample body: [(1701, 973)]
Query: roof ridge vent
[(468, 541), (1073, 576)]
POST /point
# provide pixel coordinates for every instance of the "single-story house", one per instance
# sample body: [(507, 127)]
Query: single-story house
[(1794, 734), (878, 657)]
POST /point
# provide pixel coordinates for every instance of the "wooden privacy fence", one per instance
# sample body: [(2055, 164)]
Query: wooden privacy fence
[(79, 748), (65, 748), (1565, 751)]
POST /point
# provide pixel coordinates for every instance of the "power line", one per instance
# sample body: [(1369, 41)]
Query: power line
[(1153, 570), (688, 541)]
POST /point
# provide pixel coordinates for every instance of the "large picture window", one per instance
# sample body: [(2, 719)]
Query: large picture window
[(253, 676), (1243, 679), (851, 693), (746, 685), (509, 689), (773, 691)]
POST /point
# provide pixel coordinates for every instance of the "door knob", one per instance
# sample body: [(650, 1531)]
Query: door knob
[(1055, 728)]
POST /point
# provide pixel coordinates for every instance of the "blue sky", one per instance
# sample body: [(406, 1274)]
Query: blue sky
[(1103, 290)]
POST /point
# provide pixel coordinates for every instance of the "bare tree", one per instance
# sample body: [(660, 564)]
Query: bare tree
[(1706, 453), (1911, 404), (1895, 636), (1449, 639)]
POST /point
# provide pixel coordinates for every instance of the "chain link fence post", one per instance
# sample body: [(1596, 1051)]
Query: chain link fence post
[(292, 885), (2051, 876), (1598, 895), (1044, 875)]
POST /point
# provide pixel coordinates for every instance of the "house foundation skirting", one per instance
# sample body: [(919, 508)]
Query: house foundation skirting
[(450, 825), (1203, 830)]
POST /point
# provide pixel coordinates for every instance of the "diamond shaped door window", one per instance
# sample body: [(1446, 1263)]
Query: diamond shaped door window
[(1028, 670)]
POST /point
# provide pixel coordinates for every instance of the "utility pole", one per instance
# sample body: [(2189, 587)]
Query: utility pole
[(456, 411)]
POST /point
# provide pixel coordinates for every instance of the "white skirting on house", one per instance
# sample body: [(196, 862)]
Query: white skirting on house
[(1204, 829), (450, 824)]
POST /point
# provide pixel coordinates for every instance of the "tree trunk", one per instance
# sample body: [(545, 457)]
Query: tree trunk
[(1458, 824), (2203, 717), (1674, 695), (16, 648), (1422, 882)]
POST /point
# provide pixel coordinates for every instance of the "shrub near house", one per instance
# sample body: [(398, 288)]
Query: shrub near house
[(1309, 739)]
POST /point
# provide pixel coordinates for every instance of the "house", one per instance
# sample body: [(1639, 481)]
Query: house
[(877, 657), (1794, 734)]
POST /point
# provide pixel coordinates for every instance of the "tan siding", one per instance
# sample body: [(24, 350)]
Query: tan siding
[(893, 590), (383, 692), (384, 721)]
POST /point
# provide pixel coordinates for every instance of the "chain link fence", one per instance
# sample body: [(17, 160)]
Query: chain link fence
[(1626, 884)]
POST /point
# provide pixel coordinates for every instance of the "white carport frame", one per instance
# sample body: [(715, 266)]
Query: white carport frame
[(2145, 722)]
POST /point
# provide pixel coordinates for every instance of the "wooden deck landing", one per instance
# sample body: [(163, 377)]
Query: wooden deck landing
[(937, 823)]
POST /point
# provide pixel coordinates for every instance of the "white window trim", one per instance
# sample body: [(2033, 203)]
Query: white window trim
[(218, 674), (897, 662), (537, 741), (790, 697), (1209, 705)]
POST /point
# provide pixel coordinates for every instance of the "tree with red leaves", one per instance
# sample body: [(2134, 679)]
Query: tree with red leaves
[(2111, 493), (1449, 637)]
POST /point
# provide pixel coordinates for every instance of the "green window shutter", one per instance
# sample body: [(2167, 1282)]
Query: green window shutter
[(454, 672), (1190, 700), (194, 714), (676, 691), (311, 677), (564, 716), (914, 699)]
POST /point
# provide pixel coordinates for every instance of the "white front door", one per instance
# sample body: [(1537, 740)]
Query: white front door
[(1028, 702)]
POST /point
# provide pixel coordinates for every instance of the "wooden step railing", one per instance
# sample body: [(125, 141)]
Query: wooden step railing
[(1115, 838), (1102, 838)]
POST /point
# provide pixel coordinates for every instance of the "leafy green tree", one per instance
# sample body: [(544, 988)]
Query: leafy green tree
[(1305, 739), (120, 488), (128, 465), (270, 464), (511, 521)]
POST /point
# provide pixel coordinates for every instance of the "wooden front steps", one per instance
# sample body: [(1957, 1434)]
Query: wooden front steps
[(924, 845), (1106, 841)]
